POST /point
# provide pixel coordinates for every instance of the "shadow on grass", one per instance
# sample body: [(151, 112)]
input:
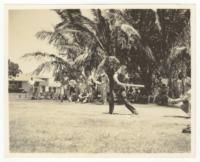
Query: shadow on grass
[(177, 116), (116, 114)]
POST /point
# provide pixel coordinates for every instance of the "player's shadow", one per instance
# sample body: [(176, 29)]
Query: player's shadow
[(114, 113), (177, 116)]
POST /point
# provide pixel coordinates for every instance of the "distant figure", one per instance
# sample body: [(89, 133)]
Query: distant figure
[(162, 98), (62, 93), (72, 90), (84, 97), (32, 83), (103, 82)]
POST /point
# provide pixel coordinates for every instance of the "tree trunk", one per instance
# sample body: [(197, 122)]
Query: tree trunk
[(147, 81), (111, 96)]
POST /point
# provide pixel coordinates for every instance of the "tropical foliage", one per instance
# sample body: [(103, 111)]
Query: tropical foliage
[(13, 69), (146, 41)]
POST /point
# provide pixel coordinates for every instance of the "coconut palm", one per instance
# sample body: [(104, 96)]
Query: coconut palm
[(51, 62), (162, 30), (103, 42), (110, 36), (140, 39)]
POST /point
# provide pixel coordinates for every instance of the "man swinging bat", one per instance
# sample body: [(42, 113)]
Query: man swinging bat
[(119, 78), (120, 88)]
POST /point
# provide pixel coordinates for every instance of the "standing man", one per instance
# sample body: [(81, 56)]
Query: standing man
[(104, 88), (62, 92), (32, 89), (104, 81)]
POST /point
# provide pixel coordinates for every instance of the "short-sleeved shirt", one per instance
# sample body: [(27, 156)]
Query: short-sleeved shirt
[(120, 90), (31, 82)]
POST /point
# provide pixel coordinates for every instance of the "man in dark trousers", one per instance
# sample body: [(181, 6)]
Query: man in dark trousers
[(119, 78)]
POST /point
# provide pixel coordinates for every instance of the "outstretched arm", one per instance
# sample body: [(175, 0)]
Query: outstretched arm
[(95, 81), (180, 99), (175, 101), (125, 84)]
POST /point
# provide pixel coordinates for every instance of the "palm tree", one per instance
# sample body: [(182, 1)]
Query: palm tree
[(61, 62), (52, 62), (101, 43), (140, 39), (163, 31), (111, 38)]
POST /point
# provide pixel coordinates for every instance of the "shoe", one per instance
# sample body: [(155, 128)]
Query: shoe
[(186, 130), (135, 112)]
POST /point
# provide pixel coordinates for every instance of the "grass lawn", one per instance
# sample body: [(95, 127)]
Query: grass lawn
[(54, 127)]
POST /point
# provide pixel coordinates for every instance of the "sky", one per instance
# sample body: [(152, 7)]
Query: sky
[(22, 27)]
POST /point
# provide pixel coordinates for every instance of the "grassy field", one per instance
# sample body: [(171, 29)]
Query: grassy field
[(54, 127)]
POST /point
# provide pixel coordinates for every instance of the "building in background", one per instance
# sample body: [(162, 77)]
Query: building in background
[(27, 86)]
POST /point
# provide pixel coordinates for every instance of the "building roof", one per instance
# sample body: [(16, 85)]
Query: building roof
[(41, 79), (21, 77), (26, 78)]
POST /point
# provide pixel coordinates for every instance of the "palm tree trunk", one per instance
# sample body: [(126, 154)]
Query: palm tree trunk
[(111, 96)]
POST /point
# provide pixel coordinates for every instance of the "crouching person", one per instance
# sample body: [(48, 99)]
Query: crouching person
[(84, 97), (184, 102)]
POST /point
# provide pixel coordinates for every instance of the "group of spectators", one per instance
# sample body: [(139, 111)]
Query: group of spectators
[(178, 87), (84, 90), (96, 90)]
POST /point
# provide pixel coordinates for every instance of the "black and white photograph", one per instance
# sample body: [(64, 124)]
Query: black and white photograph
[(100, 79)]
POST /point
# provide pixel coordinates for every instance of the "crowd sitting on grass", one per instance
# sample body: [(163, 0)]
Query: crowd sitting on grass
[(89, 90)]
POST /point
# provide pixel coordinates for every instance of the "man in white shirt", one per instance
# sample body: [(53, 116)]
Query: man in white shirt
[(32, 82)]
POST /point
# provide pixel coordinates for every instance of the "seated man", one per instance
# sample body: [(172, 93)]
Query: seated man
[(83, 97), (162, 98)]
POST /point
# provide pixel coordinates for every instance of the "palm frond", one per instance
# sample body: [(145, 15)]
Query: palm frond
[(62, 42), (120, 20), (148, 52), (41, 55), (79, 28), (81, 59), (46, 66), (44, 35), (178, 52), (60, 13), (130, 31), (101, 67), (94, 13), (67, 48), (79, 24), (116, 17), (157, 22), (53, 37), (68, 14), (51, 57)]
